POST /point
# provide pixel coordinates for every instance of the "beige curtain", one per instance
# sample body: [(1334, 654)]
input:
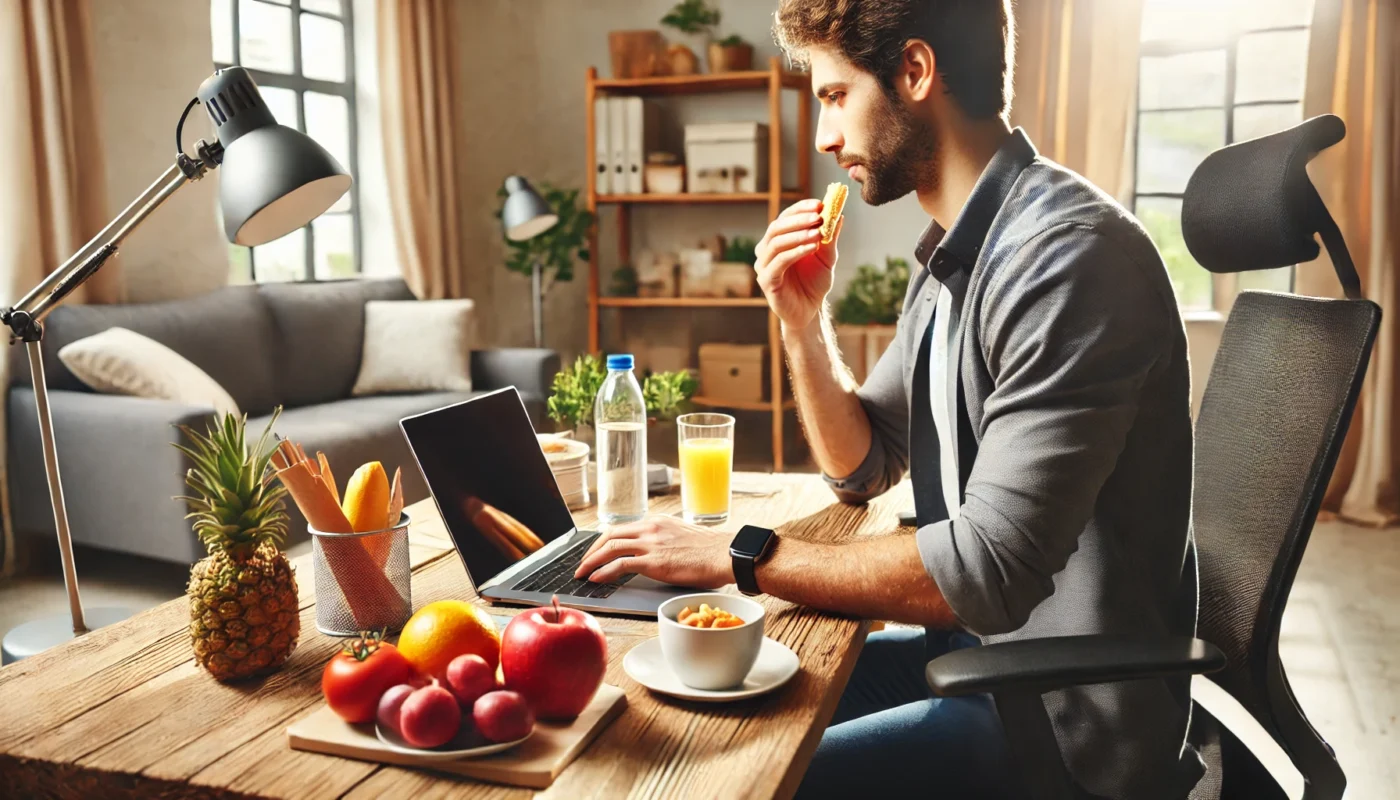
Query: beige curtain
[(422, 146), (1076, 85), (1354, 72), (52, 189)]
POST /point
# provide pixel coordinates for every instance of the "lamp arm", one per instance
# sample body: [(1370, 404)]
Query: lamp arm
[(103, 236), (23, 317)]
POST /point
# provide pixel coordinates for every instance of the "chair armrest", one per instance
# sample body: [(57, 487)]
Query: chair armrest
[(1043, 665), (530, 370)]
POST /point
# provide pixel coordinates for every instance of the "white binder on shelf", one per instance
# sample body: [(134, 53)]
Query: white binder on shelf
[(617, 147), (641, 137), (602, 144)]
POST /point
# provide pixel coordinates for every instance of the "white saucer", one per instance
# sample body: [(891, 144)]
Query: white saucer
[(454, 750), (775, 666)]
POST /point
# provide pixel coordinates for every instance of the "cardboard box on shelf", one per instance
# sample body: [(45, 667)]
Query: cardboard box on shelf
[(734, 373), (734, 279), (726, 157), (697, 273)]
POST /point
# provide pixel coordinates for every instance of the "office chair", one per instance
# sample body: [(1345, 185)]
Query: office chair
[(1275, 411)]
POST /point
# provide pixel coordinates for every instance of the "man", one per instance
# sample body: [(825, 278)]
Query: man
[(1037, 390)]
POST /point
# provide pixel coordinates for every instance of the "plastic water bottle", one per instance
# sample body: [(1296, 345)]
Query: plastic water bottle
[(620, 421)]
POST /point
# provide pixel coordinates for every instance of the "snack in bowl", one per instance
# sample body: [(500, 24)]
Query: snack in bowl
[(712, 657), (707, 617), (832, 206)]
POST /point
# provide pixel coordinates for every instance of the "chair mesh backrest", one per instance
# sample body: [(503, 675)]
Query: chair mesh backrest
[(1272, 419)]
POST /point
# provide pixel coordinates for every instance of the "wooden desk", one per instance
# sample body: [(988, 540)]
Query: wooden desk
[(124, 711)]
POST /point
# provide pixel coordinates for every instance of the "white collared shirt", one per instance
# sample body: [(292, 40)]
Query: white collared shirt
[(938, 402)]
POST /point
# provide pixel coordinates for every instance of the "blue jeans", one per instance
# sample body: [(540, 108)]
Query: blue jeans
[(890, 737)]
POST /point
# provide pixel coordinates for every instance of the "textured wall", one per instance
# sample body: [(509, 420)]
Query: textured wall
[(524, 65), (151, 57)]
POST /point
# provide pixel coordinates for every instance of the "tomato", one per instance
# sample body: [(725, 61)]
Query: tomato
[(359, 674)]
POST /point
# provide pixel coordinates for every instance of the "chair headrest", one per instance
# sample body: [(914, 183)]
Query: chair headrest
[(1251, 205)]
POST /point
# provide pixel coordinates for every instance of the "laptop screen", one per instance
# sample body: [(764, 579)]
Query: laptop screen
[(490, 479)]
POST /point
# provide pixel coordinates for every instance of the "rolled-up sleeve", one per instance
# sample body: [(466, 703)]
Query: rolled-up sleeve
[(1070, 330), (883, 398)]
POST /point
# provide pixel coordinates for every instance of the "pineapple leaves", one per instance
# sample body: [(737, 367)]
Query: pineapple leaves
[(235, 505)]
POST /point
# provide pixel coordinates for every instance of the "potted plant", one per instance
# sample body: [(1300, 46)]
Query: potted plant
[(696, 21), (556, 250), (866, 314), (730, 54), (574, 388)]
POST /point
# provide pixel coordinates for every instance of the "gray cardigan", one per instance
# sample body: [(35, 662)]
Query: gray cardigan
[(1073, 443)]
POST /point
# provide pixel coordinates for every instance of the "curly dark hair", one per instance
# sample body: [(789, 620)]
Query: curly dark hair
[(973, 41)]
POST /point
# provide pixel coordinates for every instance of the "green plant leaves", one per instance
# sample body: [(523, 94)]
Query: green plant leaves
[(874, 296), (558, 249), (575, 387), (691, 16)]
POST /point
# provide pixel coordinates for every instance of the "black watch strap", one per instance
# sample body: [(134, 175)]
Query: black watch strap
[(744, 574), (750, 547)]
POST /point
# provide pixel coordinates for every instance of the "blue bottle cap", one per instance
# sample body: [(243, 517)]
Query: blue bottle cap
[(620, 361)]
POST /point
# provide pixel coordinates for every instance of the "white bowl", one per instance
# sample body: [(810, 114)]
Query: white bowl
[(563, 453), (711, 658)]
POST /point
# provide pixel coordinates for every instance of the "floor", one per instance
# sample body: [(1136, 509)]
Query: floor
[(1340, 643)]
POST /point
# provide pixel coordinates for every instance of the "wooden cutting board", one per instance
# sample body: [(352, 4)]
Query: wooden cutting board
[(534, 764)]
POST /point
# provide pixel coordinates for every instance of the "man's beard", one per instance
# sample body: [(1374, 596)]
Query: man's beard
[(902, 157)]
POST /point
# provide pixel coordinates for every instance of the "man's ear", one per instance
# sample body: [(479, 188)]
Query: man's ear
[(917, 75)]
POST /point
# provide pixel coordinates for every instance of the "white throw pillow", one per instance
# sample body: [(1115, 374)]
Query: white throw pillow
[(121, 361), (416, 346)]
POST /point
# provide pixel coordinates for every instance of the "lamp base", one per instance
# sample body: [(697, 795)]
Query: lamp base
[(36, 636)]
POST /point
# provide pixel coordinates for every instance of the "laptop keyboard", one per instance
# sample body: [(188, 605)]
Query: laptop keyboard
[(557, 576)]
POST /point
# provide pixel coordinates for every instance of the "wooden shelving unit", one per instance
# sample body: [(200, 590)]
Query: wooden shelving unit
[(682, 302), (788, 196), (771, 81)]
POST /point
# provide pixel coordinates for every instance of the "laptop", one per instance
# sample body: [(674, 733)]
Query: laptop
[(505, 513)]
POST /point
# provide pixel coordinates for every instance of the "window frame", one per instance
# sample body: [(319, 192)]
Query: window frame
[(297, 82), (1224, 288)]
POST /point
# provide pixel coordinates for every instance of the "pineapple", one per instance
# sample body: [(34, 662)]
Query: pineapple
[(244, 614)]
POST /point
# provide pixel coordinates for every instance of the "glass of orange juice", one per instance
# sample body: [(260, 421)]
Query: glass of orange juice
[(707, 461)]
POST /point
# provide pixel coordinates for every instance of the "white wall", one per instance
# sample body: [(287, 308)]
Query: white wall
[(151, 56)]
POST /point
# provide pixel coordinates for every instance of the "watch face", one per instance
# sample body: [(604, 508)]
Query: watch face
[(751, 541)]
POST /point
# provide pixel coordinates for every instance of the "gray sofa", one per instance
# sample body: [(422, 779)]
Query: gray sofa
[(295, 345)]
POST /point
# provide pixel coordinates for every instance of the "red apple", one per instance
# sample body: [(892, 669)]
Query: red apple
[(503, 716), (555, 657), (469, 677), (429, 717)]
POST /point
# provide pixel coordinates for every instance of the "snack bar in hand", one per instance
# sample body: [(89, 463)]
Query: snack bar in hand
[(832, 206)]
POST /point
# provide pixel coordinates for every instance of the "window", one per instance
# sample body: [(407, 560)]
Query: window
[(1213, 72), (300, 53)]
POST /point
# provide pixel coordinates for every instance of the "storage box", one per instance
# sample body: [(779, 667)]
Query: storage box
[(726, 157), (697, 273), (733, 373), (734, 279)]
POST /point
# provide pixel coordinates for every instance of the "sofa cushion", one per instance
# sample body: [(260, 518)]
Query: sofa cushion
[(354, 431), (119, 361), (228, 333), (416, 346), (321, 329)]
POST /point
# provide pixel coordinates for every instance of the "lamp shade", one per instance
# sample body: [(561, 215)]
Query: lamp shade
[(526, 214), (274, 179)]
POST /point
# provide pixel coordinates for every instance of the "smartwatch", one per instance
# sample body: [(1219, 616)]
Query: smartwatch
[(749, 547)]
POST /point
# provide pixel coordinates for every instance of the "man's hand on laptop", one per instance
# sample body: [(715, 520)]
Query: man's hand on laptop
[(661, 548)]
